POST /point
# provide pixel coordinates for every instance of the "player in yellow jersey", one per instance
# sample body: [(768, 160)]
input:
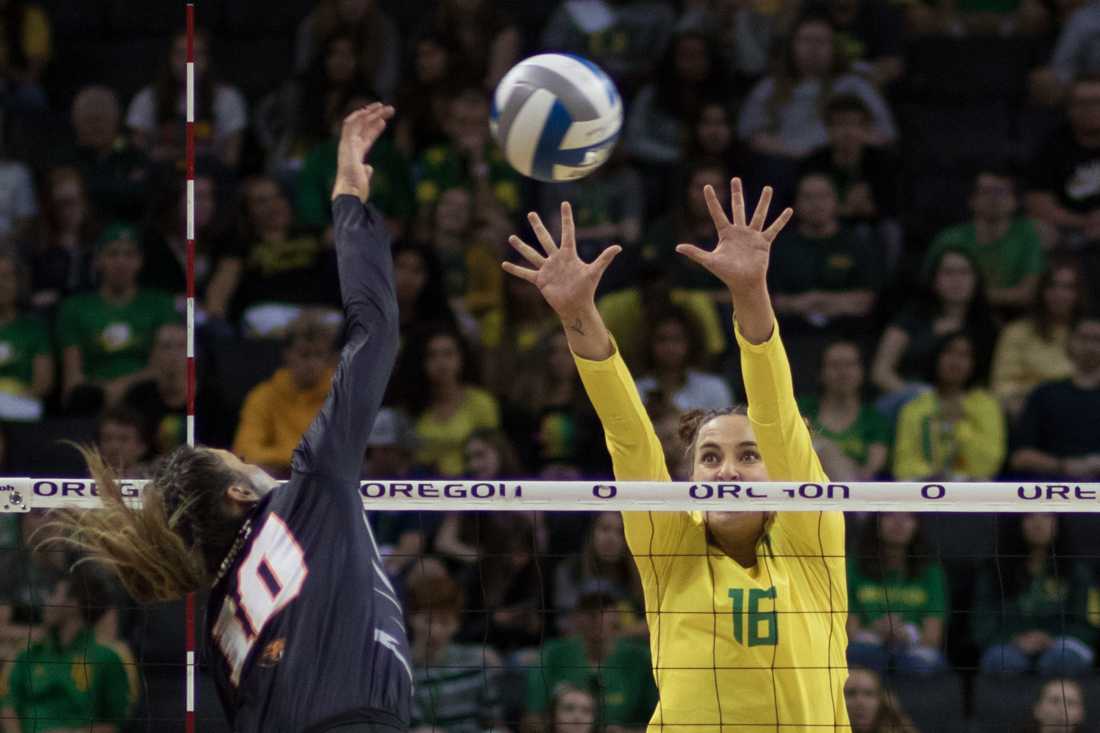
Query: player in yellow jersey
[(746, 610)]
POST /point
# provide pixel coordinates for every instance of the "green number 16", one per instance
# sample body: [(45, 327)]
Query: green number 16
[(757, 618)]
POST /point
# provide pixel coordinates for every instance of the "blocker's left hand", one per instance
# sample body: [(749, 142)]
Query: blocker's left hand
[(740, 260)]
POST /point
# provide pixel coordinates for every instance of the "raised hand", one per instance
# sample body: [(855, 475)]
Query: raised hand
[(566, 282), (361, 130), (740, 260)]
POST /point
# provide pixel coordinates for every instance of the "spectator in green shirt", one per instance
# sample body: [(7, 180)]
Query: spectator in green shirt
[(1004, 243), (596, 657), (26, 356), (822, 275), (1031, 608), (106, 336), (470, 159), (69, 681), (850, 435), (390, 189), (897, 599)]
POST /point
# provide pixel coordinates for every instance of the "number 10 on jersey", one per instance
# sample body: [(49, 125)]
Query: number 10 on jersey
[(763, 627)]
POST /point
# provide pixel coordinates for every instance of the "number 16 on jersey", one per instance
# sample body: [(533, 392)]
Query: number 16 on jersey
[(763, 627)]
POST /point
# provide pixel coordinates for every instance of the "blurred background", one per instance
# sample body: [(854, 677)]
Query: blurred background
[(943, 157)]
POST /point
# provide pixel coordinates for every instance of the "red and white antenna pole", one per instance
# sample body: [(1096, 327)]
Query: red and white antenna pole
[(190, 603)]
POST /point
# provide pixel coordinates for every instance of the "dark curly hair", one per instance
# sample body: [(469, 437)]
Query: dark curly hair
[(691, 423)]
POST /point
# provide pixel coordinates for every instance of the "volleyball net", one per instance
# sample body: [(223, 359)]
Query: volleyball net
[(526, 610)]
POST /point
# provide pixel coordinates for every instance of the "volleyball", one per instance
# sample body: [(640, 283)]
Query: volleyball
[(556, 116)]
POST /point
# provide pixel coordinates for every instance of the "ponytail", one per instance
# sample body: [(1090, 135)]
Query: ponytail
[(169, 546)]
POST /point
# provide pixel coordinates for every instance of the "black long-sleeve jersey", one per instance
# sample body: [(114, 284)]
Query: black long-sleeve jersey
[(305, 630)]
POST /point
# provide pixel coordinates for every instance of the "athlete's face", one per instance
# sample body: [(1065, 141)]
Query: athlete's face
[(1061, 706), (861, 693), (726, 452), (575, 712)]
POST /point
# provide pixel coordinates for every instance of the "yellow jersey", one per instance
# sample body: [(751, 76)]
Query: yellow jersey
[(735, 649)]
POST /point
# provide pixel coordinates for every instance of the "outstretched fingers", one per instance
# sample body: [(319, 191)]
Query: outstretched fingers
[(737, 203), (568, 232), (601, 263), (542, 234), (715, 208), (777, 226), (355, 117), (760, 215), (697, 255), (523, 273), (529, 253)]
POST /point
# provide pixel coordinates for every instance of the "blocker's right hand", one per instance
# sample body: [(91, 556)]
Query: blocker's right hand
[(360, 131), (566, 282)]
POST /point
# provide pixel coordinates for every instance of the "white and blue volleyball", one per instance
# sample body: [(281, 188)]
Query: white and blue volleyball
[(556, 116)]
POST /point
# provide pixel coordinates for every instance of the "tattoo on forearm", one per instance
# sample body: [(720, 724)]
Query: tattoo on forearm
[(576, 326)]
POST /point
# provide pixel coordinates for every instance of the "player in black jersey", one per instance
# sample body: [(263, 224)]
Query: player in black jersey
[(304, 630)]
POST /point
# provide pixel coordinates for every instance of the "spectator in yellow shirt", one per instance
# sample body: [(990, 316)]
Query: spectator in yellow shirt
[(436, 380), (279, 410), (956, 432), (1033, 349)]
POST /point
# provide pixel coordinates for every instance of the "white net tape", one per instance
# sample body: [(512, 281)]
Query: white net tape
[(24, 494)]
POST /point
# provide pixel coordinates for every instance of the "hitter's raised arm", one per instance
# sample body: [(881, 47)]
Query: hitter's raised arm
[(335, 442)]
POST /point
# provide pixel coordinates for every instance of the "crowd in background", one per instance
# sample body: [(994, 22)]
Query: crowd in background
[(933, 292)]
